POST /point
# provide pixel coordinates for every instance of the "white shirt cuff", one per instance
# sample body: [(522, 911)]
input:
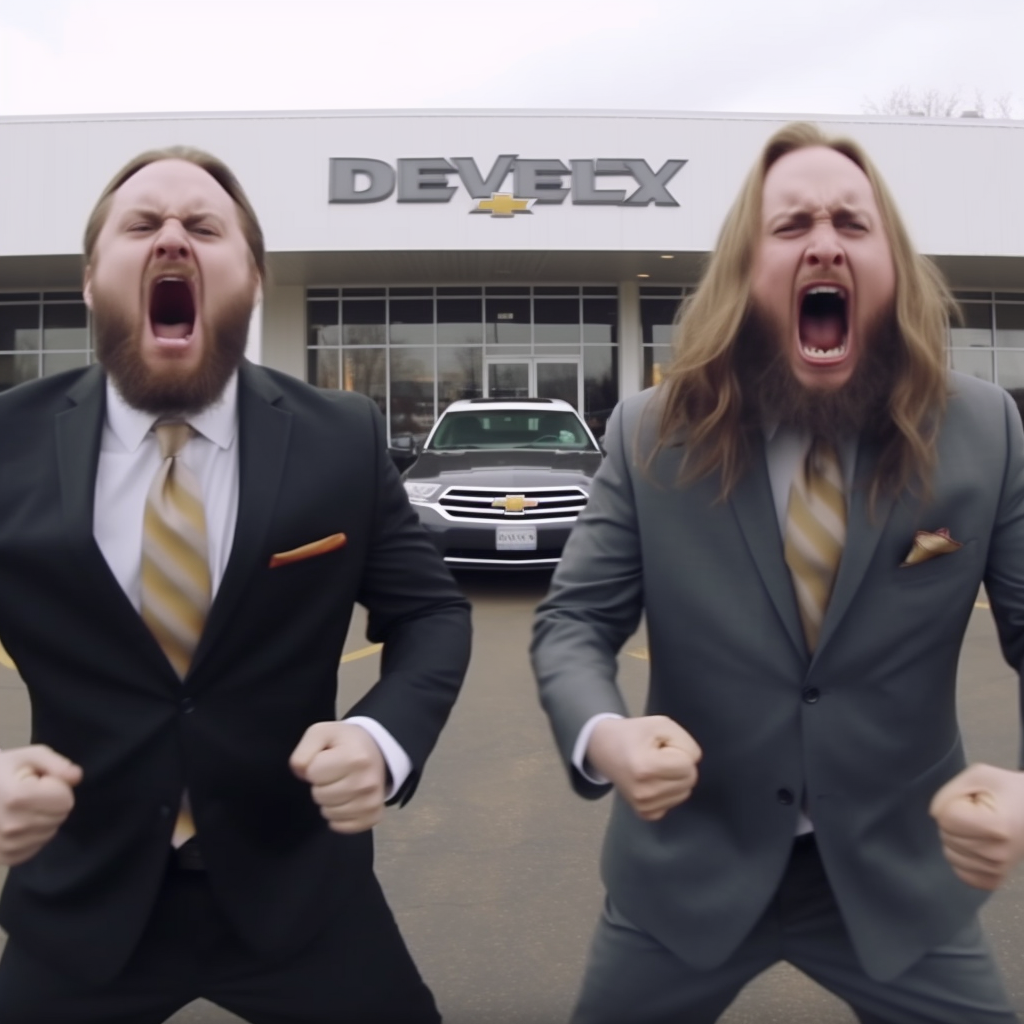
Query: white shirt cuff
[(397, 760), (579, 750)]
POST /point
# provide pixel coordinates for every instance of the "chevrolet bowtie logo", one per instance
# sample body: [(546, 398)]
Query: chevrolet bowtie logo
[(514, 503), (502, 204)]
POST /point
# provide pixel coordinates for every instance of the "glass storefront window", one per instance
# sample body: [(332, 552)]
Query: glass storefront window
[(363, 322), (322, 324), (657, 359), (1010, 368), (65, 328), (412, 391), (42, 333), (365, 371), (600, 385), (17, 367), (322, 367), (973, 362), (460, 374), (411, 321), (460, 321), (1009, 327), (976, 331), (19, 328), (417, 349), (508, 321), (556, 322), (600, 320)]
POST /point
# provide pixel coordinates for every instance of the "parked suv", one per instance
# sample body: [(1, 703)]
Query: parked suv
[(499, 483)]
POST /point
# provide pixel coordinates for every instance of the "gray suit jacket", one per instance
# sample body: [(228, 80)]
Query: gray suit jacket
[(867, 728)]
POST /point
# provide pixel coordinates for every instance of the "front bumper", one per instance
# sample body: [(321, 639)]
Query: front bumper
[(473, 545)]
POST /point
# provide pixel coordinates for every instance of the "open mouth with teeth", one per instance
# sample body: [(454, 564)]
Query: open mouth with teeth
[(172, 311), (824, 324)]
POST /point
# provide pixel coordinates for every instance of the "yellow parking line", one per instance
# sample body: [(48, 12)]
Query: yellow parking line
[(5, 660), (982, 604), (639, 652), (363, 652)]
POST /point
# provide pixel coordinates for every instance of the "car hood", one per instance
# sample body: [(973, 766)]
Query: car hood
[(517, 467)]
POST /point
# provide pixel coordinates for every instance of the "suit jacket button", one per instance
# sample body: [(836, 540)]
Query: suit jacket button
[(785, 797), (811, 695), (165, 810), (187, 705)]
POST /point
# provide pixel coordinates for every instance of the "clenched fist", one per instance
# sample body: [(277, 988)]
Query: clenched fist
[(651, 761), (36, 796), (347, 772), (980, 814)]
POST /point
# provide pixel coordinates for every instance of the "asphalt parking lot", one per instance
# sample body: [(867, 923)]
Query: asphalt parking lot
[(492, 868)]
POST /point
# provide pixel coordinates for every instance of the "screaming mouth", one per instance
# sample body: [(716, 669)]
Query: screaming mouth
[(823, 323), (172, 308)]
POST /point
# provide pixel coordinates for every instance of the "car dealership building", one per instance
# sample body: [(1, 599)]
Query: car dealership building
[(421, 257)]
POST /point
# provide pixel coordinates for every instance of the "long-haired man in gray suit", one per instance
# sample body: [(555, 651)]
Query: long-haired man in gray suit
[(804, 510)]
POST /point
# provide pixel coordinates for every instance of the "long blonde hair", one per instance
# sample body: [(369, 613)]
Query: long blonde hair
[(702, 401)]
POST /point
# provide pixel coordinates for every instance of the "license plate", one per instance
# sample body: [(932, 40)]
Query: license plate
[(516, 538)]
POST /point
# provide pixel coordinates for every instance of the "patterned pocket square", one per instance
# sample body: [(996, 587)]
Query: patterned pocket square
[(930, 545), (318, 547)]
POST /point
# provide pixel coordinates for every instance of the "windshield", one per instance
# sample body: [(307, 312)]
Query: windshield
[(512, 428)]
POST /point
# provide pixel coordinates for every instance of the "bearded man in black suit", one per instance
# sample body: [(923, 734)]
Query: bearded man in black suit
[(182, 538)]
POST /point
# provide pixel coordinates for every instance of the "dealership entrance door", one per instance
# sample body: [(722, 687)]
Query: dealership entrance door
[(535, 377)]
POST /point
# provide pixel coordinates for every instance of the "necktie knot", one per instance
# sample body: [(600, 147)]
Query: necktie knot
[(172, 437)]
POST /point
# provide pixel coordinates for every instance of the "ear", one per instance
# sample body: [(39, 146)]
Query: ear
[(87, 286), (257, 291)]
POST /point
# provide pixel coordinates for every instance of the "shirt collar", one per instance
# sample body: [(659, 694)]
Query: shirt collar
[(218, 422)]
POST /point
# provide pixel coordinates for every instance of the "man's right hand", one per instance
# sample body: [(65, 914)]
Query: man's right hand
[(651, 761), (36, 796)]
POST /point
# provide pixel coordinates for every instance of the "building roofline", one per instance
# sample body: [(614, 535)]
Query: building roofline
[(502, 112)]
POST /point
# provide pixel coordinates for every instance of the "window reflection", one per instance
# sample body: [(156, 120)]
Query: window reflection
[(412, 391)]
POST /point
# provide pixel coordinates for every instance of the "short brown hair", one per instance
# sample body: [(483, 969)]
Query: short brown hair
[(217, 169)]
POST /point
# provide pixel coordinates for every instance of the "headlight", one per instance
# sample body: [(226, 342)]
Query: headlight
[(420, 492)]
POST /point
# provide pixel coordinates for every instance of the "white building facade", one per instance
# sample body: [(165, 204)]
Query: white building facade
[(421, 257)]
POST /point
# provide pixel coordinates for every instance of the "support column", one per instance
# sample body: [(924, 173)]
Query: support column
[(630, 340)]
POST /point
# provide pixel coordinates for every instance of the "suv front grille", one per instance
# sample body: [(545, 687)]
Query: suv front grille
[(478, 504)]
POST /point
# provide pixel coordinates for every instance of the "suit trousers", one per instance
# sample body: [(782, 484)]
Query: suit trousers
[(358, 970), (632, 977)]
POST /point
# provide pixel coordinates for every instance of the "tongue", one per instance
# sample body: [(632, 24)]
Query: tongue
[(176, 331), (824, 332)]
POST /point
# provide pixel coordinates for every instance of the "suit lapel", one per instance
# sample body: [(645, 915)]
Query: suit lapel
[(263, 435), (754, 508), (863, 531), (79, 430)]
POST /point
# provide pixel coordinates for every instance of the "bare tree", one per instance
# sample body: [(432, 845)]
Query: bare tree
[(903, 101)]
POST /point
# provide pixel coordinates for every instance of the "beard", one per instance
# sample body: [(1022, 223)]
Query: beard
[(118, 342), (773, 394)]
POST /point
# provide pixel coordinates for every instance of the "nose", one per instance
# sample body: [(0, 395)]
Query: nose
[(171, 242), (824, 250)]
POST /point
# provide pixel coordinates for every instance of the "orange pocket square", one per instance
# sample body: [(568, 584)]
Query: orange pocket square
[(318, 547), (930, 545)]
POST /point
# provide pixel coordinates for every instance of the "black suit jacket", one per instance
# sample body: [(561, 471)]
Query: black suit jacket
[(312, 464)]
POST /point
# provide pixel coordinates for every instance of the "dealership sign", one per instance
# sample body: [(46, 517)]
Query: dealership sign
[(430, 180)]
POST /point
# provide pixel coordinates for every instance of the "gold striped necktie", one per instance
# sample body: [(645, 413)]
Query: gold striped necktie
[(175, 559), (815, 534), (175, 568)]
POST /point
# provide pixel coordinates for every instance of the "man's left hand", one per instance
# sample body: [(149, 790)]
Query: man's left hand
[(980, 814), (347, 773)]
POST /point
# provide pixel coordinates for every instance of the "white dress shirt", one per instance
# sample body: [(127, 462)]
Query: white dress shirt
[(785, 450), (129, 460)]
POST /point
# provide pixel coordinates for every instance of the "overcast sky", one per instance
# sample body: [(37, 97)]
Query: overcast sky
[(779, 56)]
